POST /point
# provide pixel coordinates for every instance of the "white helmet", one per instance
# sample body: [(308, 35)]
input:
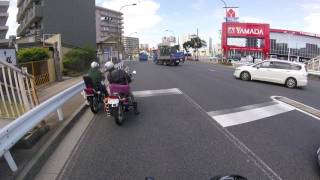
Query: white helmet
[(109, 65), (94, 64)]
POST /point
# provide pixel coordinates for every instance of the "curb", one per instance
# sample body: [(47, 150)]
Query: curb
[(31, 169)]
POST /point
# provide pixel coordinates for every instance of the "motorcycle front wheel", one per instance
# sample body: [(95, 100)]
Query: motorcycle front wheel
[(119, 115), (94, 104)]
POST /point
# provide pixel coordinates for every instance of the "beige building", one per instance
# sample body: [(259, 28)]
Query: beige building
[(109, 30), (131, 46)]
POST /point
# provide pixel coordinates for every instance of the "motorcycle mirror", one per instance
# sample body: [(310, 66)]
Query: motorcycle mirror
[(134, 72)]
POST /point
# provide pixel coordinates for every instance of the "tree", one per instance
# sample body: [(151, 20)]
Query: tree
[(187, 45), (78, 60), (33, 54), (195, 43)]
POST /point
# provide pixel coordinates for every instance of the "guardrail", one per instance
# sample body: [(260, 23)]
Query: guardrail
[(314, 64), (13, 132)]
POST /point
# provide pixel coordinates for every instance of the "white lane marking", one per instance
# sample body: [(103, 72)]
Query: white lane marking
[(237, 118), (161, 92), (212, 70)]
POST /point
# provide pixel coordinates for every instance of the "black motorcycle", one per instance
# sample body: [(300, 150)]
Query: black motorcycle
[(94, 97)]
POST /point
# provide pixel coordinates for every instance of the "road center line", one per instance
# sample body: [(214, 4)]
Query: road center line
[(160, 92), (249, 115)]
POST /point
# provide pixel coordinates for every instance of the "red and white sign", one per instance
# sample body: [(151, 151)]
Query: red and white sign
[(246, 29), (231, 15)]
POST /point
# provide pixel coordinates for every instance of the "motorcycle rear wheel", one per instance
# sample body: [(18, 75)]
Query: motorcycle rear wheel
[(94, 104), (119, 115)]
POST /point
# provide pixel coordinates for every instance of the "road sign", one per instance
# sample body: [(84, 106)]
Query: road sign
[(8, 55)]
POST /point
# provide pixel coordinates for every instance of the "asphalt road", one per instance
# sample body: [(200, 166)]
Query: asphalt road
[(175, 138)]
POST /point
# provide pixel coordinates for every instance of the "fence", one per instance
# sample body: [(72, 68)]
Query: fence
[(40, 71), (17, 91), (314, 66), (13, 132)]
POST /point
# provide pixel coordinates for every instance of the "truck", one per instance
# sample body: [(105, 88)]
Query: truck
[(143, 56), (168, 55)]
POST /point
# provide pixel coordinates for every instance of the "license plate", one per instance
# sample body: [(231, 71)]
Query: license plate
[(113, 102), (177, 61)]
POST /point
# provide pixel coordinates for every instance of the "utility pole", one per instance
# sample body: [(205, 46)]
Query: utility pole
[(197, 58)]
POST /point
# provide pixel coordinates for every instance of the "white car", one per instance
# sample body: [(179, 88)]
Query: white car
[(291, 74)]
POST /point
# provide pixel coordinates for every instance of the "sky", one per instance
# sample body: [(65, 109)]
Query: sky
[(151, 18)]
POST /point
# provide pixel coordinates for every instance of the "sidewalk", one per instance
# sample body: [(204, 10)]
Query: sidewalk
[(22, 156), (50, 90)]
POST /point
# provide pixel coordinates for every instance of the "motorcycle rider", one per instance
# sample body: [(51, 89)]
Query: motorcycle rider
[(97, 78), (119, 76)]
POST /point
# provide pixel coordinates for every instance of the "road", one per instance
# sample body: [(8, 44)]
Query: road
[(184, 135)]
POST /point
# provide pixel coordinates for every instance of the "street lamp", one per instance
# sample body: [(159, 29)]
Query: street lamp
[(225, 6), (120, 37)]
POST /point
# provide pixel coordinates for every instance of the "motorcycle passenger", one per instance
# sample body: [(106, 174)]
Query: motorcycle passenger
[(119, 76), (97, 78)]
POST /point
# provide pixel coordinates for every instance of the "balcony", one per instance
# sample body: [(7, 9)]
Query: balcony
[(34, 14), (23, 8)]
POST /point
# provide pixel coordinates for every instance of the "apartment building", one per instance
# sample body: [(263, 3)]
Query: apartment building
[(73, 19)]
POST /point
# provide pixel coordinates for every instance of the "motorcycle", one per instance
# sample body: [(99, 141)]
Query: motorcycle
[(119, 101), (93, 97)]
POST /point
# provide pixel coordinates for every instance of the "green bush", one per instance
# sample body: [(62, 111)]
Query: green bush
[(78, 60), (33, 54)]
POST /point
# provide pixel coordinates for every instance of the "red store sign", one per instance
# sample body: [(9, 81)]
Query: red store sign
[(247, 30)]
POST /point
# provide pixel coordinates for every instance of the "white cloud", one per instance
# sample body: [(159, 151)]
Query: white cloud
[(136, 18), (198, 4), (13, 25), (313, 22), (312, 19), (253, 19)]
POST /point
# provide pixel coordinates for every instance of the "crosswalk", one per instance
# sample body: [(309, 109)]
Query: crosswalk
[(246, 114), (234, 116)]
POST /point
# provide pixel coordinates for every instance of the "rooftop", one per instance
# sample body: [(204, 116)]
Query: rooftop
[(4, 3), (299, 33), (106, 9)]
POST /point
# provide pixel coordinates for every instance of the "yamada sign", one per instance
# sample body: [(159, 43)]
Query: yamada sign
[(247, 30)]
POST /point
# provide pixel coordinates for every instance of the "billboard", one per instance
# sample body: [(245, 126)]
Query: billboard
[(260, 33), (8, 55), (247, 30)]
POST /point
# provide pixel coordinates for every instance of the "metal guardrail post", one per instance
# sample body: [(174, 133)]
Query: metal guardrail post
[(60, 114), (13, 166)]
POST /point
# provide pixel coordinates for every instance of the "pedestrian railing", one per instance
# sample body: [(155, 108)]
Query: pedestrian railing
[(314, 65), (17, 91), (13, 132)]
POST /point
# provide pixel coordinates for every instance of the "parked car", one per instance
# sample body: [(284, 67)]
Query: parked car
[(214, 58), (291, 74)]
